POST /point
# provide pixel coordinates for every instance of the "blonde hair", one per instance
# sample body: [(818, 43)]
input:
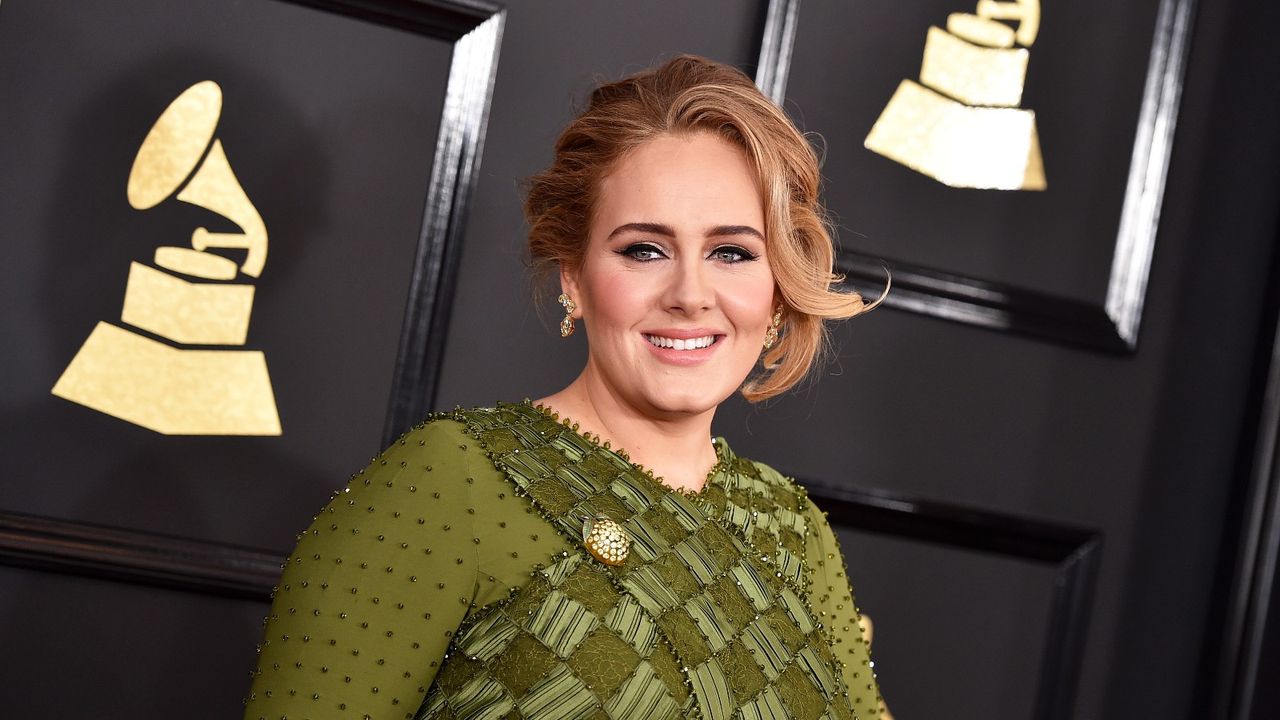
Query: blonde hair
[(690, 94)]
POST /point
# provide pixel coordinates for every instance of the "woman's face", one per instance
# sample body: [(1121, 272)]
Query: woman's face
[(675, 290)]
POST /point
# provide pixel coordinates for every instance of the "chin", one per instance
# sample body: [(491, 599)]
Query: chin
[(693, 401)]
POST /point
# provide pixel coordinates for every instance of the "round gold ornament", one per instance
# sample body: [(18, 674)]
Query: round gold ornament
[(606, 540)]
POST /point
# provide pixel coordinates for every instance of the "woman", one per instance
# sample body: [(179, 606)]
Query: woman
[(508, 561)]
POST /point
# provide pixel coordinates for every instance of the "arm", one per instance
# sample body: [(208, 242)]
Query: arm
[(375, 588), (833, 601)]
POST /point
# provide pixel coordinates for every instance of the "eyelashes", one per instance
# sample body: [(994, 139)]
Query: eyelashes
[(648, 252), (642, 252), (734, 254)]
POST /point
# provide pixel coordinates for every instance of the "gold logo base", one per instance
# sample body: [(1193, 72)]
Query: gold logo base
[(991, 148), (170, 390)]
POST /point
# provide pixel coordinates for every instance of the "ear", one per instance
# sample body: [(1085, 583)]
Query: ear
[(570, 286)]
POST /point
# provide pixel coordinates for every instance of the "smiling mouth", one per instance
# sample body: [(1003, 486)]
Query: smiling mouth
[(697, 343)]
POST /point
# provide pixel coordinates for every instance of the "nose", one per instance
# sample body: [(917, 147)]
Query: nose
[(690, 289)]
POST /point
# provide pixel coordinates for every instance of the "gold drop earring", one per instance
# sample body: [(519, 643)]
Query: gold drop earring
[(566, 325), (771, 335)]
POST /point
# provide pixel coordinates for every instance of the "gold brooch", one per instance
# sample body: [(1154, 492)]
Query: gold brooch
[(606, 540)]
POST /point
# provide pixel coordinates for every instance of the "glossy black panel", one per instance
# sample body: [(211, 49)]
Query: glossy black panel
[(86, 648)]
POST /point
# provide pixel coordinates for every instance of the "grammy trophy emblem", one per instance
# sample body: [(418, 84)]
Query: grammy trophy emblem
[(961, 124), (190, 297)]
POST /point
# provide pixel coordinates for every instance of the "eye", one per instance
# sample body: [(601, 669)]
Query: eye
[(732, 254), (642, 252)]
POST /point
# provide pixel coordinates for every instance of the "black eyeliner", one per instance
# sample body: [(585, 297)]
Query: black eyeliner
[(642, 246), (746, 254)]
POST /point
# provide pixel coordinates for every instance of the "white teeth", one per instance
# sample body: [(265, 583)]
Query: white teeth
[(679, 343)]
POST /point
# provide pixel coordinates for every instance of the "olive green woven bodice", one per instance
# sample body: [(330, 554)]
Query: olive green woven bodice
[(730, 604)]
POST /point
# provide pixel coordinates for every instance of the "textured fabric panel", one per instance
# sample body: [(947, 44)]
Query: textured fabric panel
[(711, 686), (697, 558), (592, 588), (604, 661), (818, 670), (458, 672), (766, 648), (726, 595), (745, 678), (481, 700), (562, 622), (719, 546), (650, 587), (562, 569), (606, 504), (765, 706), (682, 632), (631, 496), (525, 662), (489, 637), (561, 695), (796, 613), (715, 629), (633, 624), (676, 576), (798, 693), (667, 668), (647, 539), (643, 695), (752, 582)]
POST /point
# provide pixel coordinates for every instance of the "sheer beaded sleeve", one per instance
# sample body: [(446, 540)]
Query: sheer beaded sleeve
[(378, 584), (833, 600)]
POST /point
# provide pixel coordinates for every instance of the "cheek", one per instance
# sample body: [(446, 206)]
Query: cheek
[(749, 301), (619, 300)]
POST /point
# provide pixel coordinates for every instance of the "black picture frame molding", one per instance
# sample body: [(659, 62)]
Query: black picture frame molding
[(453, 176), (1244, 601)]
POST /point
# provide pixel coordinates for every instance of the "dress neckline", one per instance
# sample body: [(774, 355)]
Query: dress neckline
[(724, 455)]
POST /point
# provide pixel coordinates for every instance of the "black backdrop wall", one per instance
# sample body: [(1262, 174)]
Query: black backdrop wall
[(1024, 448)]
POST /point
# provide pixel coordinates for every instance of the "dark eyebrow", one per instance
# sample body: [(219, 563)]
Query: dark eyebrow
[(735, 230), (666, 231), (644, 227)]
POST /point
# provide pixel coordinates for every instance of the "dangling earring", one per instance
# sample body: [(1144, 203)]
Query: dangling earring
[(771, 335), (566, 325)]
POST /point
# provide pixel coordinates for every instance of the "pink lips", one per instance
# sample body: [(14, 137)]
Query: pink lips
[(686, 357)]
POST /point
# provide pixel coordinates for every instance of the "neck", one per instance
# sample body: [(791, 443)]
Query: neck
[(675, 446)]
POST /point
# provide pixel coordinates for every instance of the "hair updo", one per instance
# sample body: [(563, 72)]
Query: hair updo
[(690, 94)]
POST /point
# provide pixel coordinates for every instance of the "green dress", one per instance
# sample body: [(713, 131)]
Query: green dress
[(449, 579)]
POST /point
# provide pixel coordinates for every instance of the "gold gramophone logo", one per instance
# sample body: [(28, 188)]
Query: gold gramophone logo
[(191, 298), (961, 124)]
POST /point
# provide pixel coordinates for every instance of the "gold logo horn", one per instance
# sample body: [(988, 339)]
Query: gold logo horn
[(176, 390), (169, 155)]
